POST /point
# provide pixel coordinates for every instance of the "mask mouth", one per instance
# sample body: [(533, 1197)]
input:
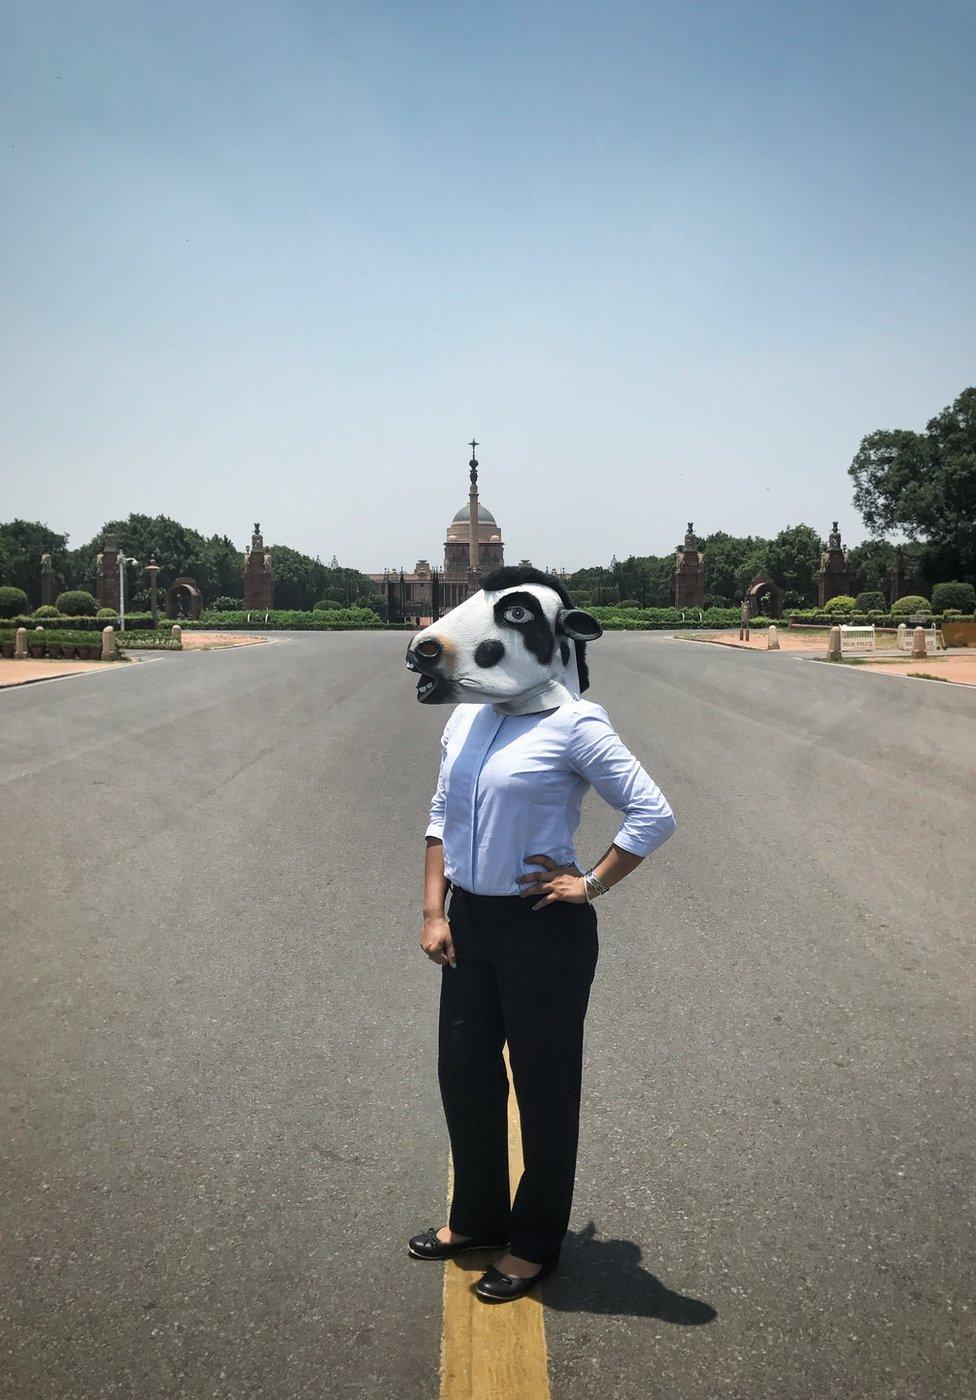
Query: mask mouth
[(433, 690)]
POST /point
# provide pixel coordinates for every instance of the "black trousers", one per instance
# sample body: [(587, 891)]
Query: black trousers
[(524, 977)]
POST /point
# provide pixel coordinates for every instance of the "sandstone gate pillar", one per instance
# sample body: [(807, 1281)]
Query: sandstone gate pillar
[(258, 577), (689, 572)]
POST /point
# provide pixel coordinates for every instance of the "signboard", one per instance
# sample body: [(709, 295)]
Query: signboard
[(931, 640), (854, 639)]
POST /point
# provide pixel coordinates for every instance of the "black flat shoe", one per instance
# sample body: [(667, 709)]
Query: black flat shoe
[(496, 1287), (426, 1245)]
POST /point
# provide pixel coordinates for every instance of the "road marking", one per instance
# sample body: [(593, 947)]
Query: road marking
[(491, 1351)]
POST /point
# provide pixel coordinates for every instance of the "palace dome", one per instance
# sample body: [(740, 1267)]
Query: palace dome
[(485, 517)]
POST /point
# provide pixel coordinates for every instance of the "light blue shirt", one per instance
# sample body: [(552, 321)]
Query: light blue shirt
[(512, 786)]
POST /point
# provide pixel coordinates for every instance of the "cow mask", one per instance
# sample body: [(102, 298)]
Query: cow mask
[(517, 644)]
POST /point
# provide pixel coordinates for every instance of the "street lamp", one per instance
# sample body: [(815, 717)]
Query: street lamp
[(122, 563), (152, 569)]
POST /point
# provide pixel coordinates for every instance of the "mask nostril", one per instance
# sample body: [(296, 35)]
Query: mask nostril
[(428, 649)]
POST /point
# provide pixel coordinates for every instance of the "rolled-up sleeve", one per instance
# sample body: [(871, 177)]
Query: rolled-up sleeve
[(435, 820), (598, 754)]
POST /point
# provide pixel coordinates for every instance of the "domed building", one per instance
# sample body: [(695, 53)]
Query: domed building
[(465, 562)]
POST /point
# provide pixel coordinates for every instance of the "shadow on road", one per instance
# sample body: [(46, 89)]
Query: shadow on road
[(605, 1276)]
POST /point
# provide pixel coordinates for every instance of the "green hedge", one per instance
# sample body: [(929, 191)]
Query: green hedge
[(870, 602), (911, 603), (13, 601), (946, 596), (54, 641), (343, 619), (77, 603), (92, 624)]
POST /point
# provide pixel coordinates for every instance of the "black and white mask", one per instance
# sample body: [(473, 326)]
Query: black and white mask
[(513, 647)]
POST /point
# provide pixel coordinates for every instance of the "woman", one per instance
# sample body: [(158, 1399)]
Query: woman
[(518, 948)]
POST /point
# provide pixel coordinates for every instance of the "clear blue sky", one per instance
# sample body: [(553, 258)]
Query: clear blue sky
[(280, 260)]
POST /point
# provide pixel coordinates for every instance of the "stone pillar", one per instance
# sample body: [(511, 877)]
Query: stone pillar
[(833, 577), (772, 639), (108, 644), (833, 644), (107, 587), (473, 557), (152, 569), (176, 632), (744, 622), (918, 644), (689, 573), (20, 648), (902, 632), (47, 581), (258, 575)]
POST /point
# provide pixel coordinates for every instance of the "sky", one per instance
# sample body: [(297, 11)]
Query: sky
[(667, 261)]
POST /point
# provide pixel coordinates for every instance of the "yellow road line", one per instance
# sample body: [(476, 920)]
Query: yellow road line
[(491, 1351)]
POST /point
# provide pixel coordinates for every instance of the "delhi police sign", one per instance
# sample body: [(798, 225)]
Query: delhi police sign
[(856, 639)]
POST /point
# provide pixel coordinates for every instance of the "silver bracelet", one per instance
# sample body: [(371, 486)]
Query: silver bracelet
[(593, 885)]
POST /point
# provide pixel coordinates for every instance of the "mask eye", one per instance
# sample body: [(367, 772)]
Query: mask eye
[(516, 613)]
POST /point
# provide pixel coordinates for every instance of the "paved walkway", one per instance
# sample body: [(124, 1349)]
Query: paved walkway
[(220, 1103), (20, 672)]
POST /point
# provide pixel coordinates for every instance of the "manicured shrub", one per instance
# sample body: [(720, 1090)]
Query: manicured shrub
[(94, 624), (955, 596), (870, 602), (628, 603), (843, 603), (77, 603), (46, 610), (911, 603), (107, 613), (13, 601), (226, 605), (327, 605)]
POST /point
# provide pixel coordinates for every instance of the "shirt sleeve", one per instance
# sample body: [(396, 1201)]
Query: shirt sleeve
[(598, 754), (435, 820)]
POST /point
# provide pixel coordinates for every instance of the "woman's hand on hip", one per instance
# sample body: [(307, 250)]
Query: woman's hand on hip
[(563, 882), (436, 940)]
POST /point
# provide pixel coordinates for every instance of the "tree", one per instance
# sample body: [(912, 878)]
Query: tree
[(793, 561), (730, 562), (647, 577), (22, 542), (924, 484), (215, 563), (299, 580), (869, 566), (348, 586)]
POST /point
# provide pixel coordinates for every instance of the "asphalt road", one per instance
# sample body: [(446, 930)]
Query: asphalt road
[(221, 1118)]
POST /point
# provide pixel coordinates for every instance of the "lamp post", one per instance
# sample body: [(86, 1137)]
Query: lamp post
[(122, 563), (152, 569)]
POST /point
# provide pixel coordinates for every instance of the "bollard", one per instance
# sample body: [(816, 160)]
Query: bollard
[(902, 631), (772, 639), (108, 644), (21, 648), (177, 633), (38, 628), (918, 643), (833, 644)]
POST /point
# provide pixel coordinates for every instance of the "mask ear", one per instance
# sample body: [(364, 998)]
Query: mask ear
[(580, 625)]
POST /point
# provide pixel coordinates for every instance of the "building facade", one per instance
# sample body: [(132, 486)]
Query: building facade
[(473, 547)]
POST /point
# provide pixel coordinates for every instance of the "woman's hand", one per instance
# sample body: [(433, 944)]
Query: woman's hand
[(436, 940), (563, 882)]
